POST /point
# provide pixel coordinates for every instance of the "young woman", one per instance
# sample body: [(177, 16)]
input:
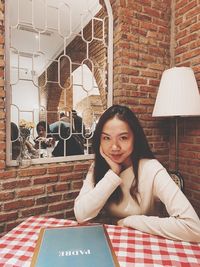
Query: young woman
[(127, 181), (44, 138)]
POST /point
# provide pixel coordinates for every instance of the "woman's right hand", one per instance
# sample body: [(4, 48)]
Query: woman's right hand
[(41, 139), (113, 165)]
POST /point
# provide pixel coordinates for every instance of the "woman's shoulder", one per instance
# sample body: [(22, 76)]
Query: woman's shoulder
[(150, 166)]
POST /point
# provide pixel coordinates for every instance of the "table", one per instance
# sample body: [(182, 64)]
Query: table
[(132, 247)]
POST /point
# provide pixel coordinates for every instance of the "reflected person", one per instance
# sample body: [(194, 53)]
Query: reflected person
[(15, 141), (68, 144), (44, 139)]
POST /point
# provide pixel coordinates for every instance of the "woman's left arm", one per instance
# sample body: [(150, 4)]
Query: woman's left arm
[(182, 223)]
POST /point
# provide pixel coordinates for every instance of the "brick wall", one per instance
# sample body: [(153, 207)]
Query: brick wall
[(141, 53), (47, 190)]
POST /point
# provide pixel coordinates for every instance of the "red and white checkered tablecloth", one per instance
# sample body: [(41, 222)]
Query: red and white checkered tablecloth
[(133, 248)]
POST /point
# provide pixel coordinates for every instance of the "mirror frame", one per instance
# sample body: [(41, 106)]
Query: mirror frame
[(9, 161)]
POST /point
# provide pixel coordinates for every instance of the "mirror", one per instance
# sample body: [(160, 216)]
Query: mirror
[(58, 69)]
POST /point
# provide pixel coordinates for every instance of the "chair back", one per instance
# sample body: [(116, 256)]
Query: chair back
[(178, 179)]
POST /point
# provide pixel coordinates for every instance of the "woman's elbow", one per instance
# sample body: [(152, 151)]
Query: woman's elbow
[(79, 214), (193, 237), (193, 233), (79, 218)]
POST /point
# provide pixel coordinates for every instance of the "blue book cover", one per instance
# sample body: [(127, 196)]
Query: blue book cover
[(74, 246)]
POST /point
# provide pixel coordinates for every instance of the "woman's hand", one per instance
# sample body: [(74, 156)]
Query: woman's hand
[(41, 139), (113, 165), (50, 142)]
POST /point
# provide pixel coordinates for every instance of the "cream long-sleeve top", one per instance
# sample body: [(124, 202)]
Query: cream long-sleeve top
[(154, 183)]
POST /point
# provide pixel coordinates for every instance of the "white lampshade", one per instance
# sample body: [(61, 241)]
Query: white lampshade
[(178, 94)]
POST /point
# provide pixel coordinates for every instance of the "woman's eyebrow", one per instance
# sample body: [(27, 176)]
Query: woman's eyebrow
[(122, 133), (105, 133)]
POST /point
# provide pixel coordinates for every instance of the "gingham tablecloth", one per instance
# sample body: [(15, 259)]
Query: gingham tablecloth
[(133, 248)]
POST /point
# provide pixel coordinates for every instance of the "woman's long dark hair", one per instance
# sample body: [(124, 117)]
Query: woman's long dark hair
[(45, 125), (141, 147)]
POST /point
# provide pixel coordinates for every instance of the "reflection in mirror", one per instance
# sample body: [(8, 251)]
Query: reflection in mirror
[(58, 54)]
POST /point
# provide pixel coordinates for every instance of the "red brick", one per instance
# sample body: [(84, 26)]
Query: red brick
[(8, 216), (60, 169), (8, 174), (18, 204), (30, 192), (77, 185), (83, 166), (7, 195), (188, 39), (32, 172), (183, 10), (57, 207), (69, 214), (73, 176), (17, 183), (34, 211), (61, 187), (45, 179)]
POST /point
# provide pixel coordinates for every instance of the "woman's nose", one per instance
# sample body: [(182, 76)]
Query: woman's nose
[(115, 145), (41, 133)]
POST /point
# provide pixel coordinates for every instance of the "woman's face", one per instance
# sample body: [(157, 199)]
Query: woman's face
[(41, 131), (117, 141)]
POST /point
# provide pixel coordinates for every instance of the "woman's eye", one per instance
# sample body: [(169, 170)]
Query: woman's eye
[(123, 138), (106, 138)]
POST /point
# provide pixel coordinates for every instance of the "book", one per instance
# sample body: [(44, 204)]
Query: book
[(74, 246)]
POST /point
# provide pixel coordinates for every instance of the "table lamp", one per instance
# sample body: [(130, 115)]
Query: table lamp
[(178, 95)]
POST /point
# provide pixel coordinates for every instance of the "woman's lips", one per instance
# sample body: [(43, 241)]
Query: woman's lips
[(116, 156)]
